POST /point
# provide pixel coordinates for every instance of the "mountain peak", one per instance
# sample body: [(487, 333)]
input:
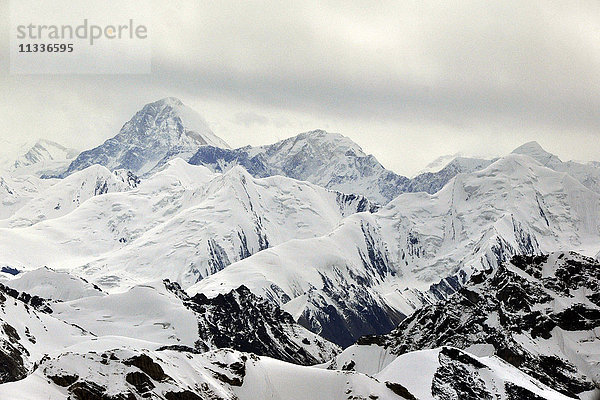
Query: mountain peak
[(532, 146), (323, 142), (537, 152), (160, 131), (532, 149), (44, 150), (176, 120), (318, 133), (171, 101), (326, 159), (159, 106)]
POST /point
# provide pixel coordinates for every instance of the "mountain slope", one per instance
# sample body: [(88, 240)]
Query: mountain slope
[(160, 314), (15, 192), (164, 127), (242, 321), (588, 174), (53, 337), (538, 313), (374, 268), (28, 333), (448, 373)]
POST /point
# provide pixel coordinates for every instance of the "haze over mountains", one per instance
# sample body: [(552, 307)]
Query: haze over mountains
[(139, 261)]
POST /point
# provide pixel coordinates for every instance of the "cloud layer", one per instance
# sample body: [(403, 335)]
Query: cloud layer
[(407, 80)]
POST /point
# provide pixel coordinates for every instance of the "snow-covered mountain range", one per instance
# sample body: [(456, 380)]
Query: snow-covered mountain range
[(325, 159), (332, 161), (183, 223), (374, 267), (38, 158), (163, 264)]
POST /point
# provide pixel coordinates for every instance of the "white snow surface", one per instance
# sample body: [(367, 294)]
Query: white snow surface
[(586, 173), (65, 195), (49, 284), (16, 191), (182, 223), (514, 206), (148, 313)]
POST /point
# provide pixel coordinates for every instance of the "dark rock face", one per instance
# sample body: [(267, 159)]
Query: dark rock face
[(356, 203), (36, 302), (63, 380), (184, 395), (12, 362), (243, 321), (141, 376), (148, 366), (459, 375), (520, 298), (140, 381), (92, 391), (9, 270), (356, 313), (400, 390), (454, 380), (13, 355)]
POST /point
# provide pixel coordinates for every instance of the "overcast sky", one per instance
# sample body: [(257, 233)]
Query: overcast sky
[(407, 80)]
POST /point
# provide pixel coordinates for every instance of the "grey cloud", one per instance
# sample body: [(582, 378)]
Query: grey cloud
[(249, 119), (444, 70)]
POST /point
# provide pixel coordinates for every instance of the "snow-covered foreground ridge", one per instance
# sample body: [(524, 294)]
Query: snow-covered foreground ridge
[(155, 341), (128, 372), (374, 266)]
